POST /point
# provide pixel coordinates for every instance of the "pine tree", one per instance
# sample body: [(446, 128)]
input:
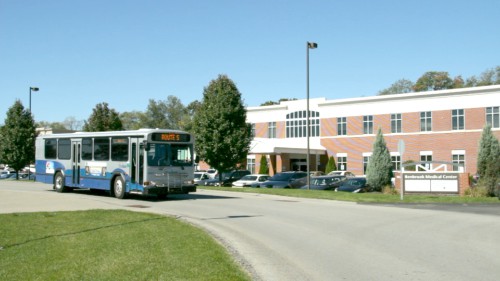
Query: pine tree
[(330, 166), (379, 170), (488, 161), (18, 138), (263, 169), (222, 134)]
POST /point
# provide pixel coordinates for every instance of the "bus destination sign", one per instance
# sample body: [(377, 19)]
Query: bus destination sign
[(173, 137)]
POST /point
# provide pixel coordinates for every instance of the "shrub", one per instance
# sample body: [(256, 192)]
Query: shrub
[(264, 169), (390, 190), (476, 191), (330, 166), (410, 167)]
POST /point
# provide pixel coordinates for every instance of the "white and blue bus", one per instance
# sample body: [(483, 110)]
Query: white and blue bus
[(146, 161)]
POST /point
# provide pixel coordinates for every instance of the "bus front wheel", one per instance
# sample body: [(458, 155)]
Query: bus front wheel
[(59, 182), (119, 187)]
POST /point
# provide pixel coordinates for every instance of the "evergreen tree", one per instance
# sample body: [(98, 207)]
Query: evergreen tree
[(379, 170), (17, 137), (488, 161), (330, 166), (222, 134), (103, 119), (263, 169)]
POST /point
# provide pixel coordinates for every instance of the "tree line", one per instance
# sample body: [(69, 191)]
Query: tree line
[(441, 80), (218, 122)]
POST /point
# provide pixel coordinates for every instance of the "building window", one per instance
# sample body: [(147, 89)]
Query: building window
[(425, 121), (493, 116), (366, 160), (341, 126), (396, 162), (426, 156), (368, 124), (458, 158), (342, 163), (252, 130), (271, 130), (296, 124), (457, 119), (396, 123), (251, 165)]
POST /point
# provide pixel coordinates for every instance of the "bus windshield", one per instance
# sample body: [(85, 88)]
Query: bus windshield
[(165, 154)]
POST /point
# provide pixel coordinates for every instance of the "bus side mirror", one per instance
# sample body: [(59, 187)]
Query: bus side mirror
[(197, 159), (145, 145)]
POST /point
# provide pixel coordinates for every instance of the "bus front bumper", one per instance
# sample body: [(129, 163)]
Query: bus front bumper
[(160, 190)]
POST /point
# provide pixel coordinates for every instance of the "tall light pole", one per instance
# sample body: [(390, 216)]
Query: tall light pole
[(34, 89), (310, 45)]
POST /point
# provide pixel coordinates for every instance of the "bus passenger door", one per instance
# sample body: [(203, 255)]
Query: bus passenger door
[(76, 152), (137, 155)]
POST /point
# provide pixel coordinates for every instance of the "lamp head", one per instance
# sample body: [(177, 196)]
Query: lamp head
[(35, 89), (312, 45)]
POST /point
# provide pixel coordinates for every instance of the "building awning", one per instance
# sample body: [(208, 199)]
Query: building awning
[(288, 145)]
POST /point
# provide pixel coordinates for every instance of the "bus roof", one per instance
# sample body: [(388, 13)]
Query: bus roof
[(140, 132)]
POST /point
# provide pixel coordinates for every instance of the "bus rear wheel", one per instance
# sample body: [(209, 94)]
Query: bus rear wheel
[(119, 187), (59, 182)]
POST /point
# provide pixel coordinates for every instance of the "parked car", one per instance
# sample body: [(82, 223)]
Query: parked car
[(8, 176), (356, 184), (342, 173), (316, 173), (227, 178), (212, 173), (253, 180), (209, 182), (200, 176), (285, 180), (325, 182)]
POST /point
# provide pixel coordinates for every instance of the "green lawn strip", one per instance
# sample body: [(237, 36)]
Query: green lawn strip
[(109, 245), (369, 197)]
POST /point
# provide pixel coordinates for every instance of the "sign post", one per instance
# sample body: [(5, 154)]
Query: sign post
[(401, 150)]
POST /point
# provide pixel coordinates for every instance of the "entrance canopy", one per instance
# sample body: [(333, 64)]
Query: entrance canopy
[(288, 145)]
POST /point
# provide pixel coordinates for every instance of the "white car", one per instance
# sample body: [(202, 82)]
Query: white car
[(199, 176), (341, 173), (253, 180)]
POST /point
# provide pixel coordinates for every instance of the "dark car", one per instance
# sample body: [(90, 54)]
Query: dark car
[(356, 184), (285, 180), (227, 178), (325, 182)]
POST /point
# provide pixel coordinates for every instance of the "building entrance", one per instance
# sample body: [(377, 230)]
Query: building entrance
[(298, 165)]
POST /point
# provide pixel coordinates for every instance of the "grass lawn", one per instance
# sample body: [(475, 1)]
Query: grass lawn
[(370, 197), (109, 245)]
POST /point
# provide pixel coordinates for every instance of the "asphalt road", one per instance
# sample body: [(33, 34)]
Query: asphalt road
[(284, 238)]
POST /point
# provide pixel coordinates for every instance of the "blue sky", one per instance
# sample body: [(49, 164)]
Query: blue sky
[(81, 53)]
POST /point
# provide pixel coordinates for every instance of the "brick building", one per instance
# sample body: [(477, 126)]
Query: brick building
[(441, 125)]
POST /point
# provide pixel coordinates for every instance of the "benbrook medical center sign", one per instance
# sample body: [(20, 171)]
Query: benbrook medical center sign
[(431, 182)]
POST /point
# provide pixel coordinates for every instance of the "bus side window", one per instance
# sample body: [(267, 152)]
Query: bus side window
[(86, 149)]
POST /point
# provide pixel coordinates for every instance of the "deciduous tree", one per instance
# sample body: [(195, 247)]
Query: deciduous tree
[(399, 87), (102, 119), (433, 81), (17, 137), (222, 134)]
